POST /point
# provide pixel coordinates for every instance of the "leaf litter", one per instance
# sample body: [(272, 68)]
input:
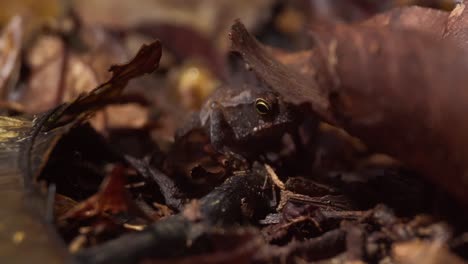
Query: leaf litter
[(373, 174)]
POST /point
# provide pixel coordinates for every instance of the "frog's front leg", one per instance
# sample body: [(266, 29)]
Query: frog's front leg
[(219, 128), (221, 134)]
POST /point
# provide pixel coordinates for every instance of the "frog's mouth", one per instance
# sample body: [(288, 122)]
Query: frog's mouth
[(264, 137), (262, 127), (270, 132)]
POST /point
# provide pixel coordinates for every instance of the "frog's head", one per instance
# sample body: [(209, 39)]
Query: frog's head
[(252, 119), (261, 114)]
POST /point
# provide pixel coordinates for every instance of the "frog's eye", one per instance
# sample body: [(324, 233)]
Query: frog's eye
[(262, 106)]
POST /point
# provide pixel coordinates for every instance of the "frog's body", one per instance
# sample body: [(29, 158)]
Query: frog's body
[(246, 117), (233, 120)]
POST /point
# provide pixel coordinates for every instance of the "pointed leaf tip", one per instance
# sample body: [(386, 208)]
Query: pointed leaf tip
[(145, 61)]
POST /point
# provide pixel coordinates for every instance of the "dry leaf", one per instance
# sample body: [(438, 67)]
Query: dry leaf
[(112, 198), (10, 47), (418, 251)]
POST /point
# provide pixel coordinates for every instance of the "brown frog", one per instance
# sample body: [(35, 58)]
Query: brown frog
[(245, 117)]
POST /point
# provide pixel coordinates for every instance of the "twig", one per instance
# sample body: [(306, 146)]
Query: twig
[(177, 235)]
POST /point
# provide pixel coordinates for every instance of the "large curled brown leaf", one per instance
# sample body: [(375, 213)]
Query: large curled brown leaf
[(400, 91)]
